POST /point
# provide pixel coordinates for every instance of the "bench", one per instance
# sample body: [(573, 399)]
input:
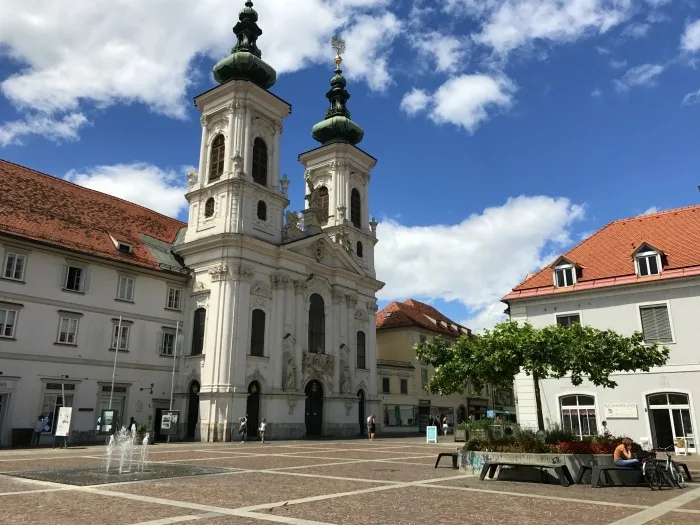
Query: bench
[(451, 454), (562, 471), (597, 470), (684, 466)]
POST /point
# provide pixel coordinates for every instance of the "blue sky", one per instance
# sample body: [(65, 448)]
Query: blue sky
[(506, 130)]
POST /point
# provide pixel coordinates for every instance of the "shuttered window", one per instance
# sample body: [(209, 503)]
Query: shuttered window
[(656, 324)]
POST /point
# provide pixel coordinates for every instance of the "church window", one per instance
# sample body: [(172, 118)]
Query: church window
[(200, 319), (216, 159), (262, 210), (356, 208), (325, 206), (257, 334), (260, 162), (317, 325), (361, 351), (209, 208), (359, 249)]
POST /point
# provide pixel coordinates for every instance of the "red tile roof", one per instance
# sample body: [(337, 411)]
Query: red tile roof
[(415, 313), (42, 208), (606, 257)]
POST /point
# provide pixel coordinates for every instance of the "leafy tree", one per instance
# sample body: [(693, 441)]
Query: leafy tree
[(497, 356)]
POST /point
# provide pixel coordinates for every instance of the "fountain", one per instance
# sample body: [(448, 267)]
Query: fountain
[(122, 447)]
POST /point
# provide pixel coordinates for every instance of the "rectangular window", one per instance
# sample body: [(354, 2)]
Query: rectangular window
[(567, 320), (386, 385), (121, 339), (404, 386), (564, 276), (68, 331), (656, 324), (8, 319), (361, 351), (424, 378), (423, 338), (126, 289), (400, 416), (75, 278), (648, 264), (174, 295), (167, 343), (14, 266)]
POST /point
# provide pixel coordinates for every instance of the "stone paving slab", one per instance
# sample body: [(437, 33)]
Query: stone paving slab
[(264, 462), (693, 505), (69, 508), (676, 518), (642, 495), (181, 455), (381, 471), (42, 464), (360, 454), (239, 489), (419, 505), (8, 484), (228, 520)]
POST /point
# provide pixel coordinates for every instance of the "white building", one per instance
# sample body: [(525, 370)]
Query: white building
[(275, 312), (638, 274)]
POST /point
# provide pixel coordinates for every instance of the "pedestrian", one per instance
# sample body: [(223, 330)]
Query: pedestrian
[(369, 424), (243, 428), (263, 424), (38, 429), (444, 425), (132, 426), (372, 427)]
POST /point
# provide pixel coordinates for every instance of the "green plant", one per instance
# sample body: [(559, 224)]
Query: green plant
[(555, 434), (141, 428)]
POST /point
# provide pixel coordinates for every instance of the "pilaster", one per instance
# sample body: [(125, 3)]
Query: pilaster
[(302, 337)]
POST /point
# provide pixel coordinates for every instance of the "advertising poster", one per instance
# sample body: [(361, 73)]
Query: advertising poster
[(168, 422), (431, 434), (108, 422), (63, 423)]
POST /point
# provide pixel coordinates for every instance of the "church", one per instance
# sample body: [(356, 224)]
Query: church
[(269, 312)]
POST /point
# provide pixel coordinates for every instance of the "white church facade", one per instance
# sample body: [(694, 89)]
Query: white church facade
[(265, 312)]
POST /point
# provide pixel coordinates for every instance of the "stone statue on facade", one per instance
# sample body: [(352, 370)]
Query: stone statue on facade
[(345, 380), (290, 375)]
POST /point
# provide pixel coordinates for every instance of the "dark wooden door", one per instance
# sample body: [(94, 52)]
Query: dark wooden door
[(157, 436), (314, 409), (361, 411), (193, 410), (253, 409)]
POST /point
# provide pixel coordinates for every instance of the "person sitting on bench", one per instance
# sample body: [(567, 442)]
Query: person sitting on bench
[(623, 455)]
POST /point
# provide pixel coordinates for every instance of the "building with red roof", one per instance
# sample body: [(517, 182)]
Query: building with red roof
[(635, 274)]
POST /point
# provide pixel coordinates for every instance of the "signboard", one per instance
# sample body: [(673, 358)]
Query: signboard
[(108, 422), (168, 422), (63, 423), (490, 414), (431, 434), (621, 411)]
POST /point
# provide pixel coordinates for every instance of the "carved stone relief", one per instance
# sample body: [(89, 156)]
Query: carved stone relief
[(261, 289), (292, 402), (262, 303), (243, 272), (337, 296), (280, 281), (199, 287), (351, 300), (317, 250), (317, 364), (219, 272), (361, 315)]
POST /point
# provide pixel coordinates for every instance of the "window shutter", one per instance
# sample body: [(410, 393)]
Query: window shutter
[(159, 346), (87, 280), (656, 324), (63, 277)]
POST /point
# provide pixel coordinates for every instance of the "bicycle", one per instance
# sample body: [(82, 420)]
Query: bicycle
[(671, 467), (652, 473), (657, 474)]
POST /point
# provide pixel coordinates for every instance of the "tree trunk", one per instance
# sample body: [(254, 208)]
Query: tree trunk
[(538, 401)]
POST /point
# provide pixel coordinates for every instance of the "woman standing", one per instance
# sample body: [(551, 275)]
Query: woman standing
[(372, 427)]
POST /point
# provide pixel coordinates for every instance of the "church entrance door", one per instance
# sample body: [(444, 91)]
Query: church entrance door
[(193, 410), (361, 411), (314, 409), (253, 409)]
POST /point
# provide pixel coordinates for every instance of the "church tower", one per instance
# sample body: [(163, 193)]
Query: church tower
[(237, 186), (337, 174)]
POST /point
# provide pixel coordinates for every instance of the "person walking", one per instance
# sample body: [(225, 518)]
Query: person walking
[(369, 423), (263, 424), (445, 426), (243, 428), (372, 427), (38, 429)]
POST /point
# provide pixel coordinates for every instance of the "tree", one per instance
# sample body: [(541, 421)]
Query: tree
[(497, 356)]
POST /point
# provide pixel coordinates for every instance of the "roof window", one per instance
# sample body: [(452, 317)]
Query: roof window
[(124, 247), (564, 275), (647, 261)]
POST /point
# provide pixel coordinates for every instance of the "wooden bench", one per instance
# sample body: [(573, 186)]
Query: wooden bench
[(562, 471), (451, 454)]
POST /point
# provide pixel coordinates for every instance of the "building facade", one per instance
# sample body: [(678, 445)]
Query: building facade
[(263, 311), (406, 406), (638, 274)]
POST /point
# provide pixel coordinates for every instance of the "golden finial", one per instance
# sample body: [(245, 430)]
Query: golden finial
[(338, 45)]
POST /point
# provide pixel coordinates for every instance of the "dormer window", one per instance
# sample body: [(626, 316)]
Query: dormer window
[(648, 263), (564, 275), (124, 247)]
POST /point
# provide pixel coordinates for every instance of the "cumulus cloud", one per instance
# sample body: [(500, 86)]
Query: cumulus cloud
[(64, 129), (465, 100), (142, 183), (640, 76), (637, 30), (690, 41), (617, 64), (650, 210), (447, 52), (456, 262), (596, 93), (692, 98)]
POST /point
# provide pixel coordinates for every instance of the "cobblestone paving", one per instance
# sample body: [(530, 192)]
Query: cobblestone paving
[(387, 482)]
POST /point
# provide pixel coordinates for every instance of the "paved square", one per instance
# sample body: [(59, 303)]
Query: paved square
[(387, 482)]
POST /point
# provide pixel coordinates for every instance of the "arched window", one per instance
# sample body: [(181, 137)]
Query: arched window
[(578, 415), (260, 161), (216, 157), (262, 210), (200, 319), (323, 195), (317, 325), (359, 250), (361, 352), (257, 333), (209, 208), (355, 208)]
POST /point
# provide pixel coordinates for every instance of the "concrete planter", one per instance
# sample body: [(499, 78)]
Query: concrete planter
[(460, 435), (471, 462)]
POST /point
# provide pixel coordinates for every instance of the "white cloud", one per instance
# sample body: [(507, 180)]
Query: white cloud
[(650, 210), (690, 41), (617, 64), (57, 130), (596, 93), (644, 75), (447, 51), (415, 101), (692, 98), (107, 52), (465, 100), (637, 30), (510, 24), (144, 184), (457, 262), (602, 50)]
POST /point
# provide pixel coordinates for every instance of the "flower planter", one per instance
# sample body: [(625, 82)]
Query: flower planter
[(461, 435)]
